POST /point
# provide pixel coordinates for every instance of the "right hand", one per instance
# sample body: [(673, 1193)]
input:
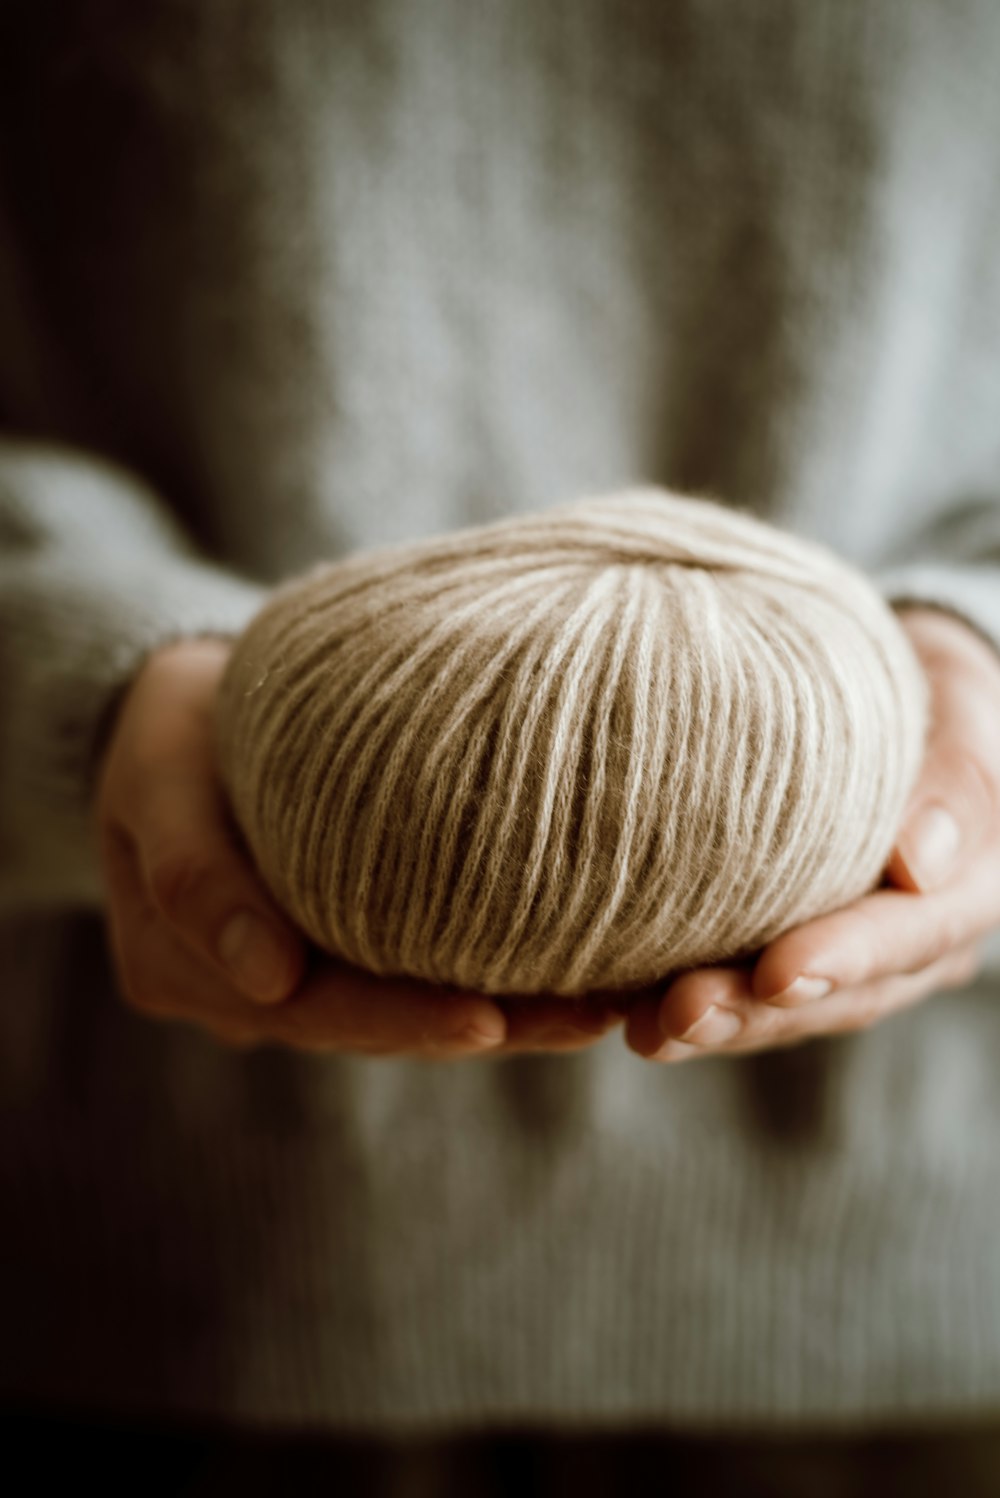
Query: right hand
[(181, 890)]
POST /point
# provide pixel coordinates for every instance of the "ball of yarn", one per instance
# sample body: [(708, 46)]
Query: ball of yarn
[(573, 750)]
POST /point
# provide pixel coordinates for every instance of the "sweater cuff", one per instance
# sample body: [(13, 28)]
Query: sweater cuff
[(70, 683)]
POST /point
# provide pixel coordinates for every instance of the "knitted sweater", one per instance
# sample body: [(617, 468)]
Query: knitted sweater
[(278, 281)]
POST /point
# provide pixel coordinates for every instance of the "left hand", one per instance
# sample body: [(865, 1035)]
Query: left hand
[(176, 870), (915, 935)]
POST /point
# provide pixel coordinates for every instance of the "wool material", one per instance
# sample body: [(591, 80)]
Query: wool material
[(571, 751)]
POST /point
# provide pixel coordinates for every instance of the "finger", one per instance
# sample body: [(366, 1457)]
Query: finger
[(202, 883), (705, 997), (752, 1026), (956, 802), (159, 975), (336, 1009), (127, 899), (886, 932), (385, 1016), (859, 1008), (342, 1007), (952, 812), (548, 1024)]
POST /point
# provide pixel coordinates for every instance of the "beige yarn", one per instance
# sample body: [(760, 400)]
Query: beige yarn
[(572, 750)]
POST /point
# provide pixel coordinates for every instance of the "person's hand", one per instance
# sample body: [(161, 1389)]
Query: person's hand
[(195, 935), (915, 935)]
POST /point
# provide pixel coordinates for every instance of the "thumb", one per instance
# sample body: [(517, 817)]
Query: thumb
[(948, 817), (203, 884)]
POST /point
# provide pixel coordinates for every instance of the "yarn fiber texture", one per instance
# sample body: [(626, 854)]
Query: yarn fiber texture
[(573, 750)]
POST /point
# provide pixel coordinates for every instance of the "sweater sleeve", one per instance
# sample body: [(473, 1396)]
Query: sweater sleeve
[(955, 565), (94, 573)]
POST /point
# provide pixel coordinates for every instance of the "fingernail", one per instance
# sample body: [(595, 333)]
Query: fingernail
[(930, 846), (803, 991), (258, 962), (715, 1026)]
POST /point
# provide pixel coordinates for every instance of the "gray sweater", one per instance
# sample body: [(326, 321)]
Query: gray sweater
[(281, 280)]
